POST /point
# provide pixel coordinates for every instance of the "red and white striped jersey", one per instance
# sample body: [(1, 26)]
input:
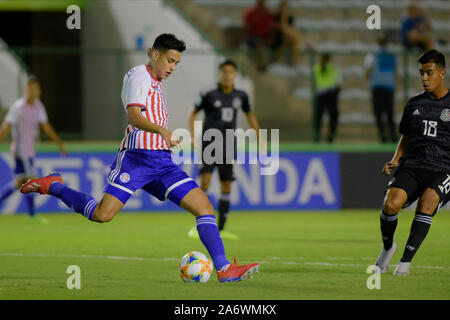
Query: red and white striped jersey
[(141, 89), (25, 119)]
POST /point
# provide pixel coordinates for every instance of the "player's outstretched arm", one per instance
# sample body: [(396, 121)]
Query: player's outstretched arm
[(4, 130), (136, 119), (191, 125), (51, 133), (253, 122), (402, 147)]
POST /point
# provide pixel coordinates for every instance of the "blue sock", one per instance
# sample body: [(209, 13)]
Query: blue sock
[(29, 201), (78, 201), (6, 192), (211, 239)]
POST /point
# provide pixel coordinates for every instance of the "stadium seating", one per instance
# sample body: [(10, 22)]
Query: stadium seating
[(341, 30)]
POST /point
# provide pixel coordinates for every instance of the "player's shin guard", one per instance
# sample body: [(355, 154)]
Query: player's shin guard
[(29, 200), (419, 230), (210, 237), (388, 224), (78, 201), (224, 208)]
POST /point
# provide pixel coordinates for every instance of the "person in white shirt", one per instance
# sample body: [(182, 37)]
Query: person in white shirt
[(24, 119)]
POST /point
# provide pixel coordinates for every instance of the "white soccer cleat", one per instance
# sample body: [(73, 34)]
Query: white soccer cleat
[(385, 258), (402, 269)]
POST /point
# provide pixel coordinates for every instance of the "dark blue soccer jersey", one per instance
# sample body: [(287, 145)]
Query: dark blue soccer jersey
[(426, 122)]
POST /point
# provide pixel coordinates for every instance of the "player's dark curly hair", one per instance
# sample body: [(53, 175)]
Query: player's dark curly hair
[(432, 56), (228, 62), (167, 41)]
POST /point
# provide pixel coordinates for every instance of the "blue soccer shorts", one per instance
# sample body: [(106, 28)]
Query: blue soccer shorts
[(24, 168), (150, 170)]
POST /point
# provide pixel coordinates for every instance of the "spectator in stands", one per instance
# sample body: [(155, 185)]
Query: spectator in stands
[(416, 29), (258, 21), (381, 71), (327, 87), (285, 34)]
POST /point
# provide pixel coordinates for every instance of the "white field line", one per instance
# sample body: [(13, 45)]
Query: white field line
[(262, 260), (86, 256)]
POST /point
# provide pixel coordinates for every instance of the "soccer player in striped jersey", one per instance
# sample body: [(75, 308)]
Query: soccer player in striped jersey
[(24, 119), (144, 160)]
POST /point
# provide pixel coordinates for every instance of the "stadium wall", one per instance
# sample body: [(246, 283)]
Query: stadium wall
[(100, 75), (111, 30), (12, 76), (306, 180)]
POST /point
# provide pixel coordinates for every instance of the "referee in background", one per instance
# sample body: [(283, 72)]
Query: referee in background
[(327, 81)]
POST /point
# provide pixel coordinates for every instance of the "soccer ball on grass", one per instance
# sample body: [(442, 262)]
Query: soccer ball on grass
[(195, 267)]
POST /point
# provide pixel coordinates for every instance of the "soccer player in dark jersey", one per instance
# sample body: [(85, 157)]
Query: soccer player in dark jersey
[(423, 161), (221, 105)]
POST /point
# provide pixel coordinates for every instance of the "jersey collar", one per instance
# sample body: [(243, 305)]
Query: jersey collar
[(148, 70), (220, 89), (441, 98)]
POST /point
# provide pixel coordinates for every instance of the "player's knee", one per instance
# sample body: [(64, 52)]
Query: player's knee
[(209, 209), (205, 209), (226, 190), (392, 206), (205, 185), (103, 216), (428, 202), (226, 187), (205, 180)]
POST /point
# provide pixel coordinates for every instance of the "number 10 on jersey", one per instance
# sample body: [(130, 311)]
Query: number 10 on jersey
[(227, 114)]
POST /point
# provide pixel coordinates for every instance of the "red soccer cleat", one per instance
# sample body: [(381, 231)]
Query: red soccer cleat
[(41, 185), (237, 273)]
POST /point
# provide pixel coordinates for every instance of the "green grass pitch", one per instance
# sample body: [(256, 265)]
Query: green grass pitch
[(303, 255)]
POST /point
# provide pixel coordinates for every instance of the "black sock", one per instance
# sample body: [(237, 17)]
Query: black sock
[(419, 230), (388, 224), (224, 208)]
